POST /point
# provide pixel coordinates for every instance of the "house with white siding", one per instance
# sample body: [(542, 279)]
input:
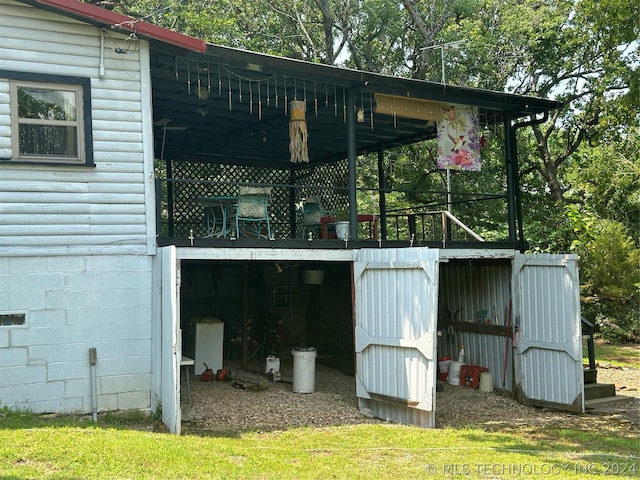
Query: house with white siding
[(77, 230), (115, 138)]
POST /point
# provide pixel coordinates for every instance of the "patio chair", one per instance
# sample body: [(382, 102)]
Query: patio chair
[(252, 211), (312, 211)]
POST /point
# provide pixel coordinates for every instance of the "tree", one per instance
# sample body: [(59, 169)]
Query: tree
[(579, 170)]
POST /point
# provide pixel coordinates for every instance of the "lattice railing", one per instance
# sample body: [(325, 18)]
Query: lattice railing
[(180, 215)]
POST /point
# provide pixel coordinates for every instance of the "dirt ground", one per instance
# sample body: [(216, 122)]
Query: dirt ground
[(252, 402)]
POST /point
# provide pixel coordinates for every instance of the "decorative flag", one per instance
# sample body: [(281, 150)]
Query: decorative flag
[(458, 141)]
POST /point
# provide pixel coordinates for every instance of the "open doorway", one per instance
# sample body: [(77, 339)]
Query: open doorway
[(277, 305)]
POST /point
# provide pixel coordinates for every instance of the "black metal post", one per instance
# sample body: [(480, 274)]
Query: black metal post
[(158, 195), (351, 157), (170, 205), (382, 197), (245, 316), (512, 181), (293, 224)]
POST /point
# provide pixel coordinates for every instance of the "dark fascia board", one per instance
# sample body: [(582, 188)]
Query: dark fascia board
[(374, 82)]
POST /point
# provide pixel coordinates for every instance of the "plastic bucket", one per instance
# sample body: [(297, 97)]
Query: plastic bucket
[(486, 382), (304, 369), (443, 367), (342, 230), (454, 373)]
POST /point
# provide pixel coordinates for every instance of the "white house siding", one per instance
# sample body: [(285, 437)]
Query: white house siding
[(75, 241), (72, 208)]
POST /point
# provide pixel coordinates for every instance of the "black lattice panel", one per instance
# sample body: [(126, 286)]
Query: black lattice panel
[(192, 180), (330, 316), (329, 181)]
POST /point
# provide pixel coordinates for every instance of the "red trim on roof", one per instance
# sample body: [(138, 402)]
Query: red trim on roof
[(107, 17)]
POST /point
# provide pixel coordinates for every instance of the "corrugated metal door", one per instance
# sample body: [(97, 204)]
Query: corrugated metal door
[(396, 300), (548, 342), (170, 345)]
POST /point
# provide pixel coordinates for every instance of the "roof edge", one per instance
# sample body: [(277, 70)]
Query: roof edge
[(100, 16)]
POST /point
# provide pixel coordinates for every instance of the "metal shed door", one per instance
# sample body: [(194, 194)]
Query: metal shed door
[(170, 350), (548, 342), (396, 299)]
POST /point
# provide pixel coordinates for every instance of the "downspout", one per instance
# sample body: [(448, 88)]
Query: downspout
[(101, 67), (514, 199), (93, 359), (351, 158)]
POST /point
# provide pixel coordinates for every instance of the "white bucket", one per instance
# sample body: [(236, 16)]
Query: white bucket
[(342, 230), (304, 369), (454, 373), (486, 382)]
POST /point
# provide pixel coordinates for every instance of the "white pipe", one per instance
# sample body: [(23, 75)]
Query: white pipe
[(101, 72), (93, 359)]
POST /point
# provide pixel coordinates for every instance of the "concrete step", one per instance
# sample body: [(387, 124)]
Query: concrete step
[(599, 390), (606, 400), (618, 408)]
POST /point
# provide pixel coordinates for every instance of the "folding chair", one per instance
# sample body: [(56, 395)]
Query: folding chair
[(253, 209)]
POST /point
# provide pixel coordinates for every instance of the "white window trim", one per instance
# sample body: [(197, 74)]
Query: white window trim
[(78, 123)]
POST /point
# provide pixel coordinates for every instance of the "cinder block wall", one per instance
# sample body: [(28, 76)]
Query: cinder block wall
[(72, 304)]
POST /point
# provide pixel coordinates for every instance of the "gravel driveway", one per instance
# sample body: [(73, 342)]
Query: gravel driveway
[(252, 402)]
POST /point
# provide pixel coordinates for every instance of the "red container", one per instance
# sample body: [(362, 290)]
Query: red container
[(443, 367), (470, 375)]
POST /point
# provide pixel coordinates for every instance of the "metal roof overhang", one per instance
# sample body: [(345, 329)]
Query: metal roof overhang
[(244, 117)]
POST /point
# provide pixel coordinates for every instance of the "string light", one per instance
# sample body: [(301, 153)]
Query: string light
[(287, 87)]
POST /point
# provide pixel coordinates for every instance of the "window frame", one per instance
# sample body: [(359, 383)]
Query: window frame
[(82, 88)]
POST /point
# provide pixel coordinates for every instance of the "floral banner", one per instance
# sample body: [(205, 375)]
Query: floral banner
[(458, 141)]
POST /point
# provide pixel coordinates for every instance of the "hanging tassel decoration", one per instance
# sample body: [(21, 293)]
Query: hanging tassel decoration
[(298, 132)]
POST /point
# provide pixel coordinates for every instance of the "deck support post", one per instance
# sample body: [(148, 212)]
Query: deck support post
[(512, 179), (351, 157)]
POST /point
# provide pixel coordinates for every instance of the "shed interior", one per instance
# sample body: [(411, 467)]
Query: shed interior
[(286, 306), (282, 302)]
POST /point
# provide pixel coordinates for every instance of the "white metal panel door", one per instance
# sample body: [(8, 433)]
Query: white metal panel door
[(170, 345), (396, 304), (547, 336)]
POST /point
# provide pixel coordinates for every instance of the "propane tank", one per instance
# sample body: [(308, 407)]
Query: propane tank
[(461, 355)]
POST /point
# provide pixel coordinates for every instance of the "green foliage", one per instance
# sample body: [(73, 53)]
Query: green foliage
[(610, 270), (156, 415), (613, 262)]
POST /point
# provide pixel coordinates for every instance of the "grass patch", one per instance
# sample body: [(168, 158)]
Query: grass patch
[(50, 449), (132, 445), (625, 355)]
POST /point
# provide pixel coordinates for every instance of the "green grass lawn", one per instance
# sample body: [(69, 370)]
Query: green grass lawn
[(65, 448), (54, 447), (626, 355)]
